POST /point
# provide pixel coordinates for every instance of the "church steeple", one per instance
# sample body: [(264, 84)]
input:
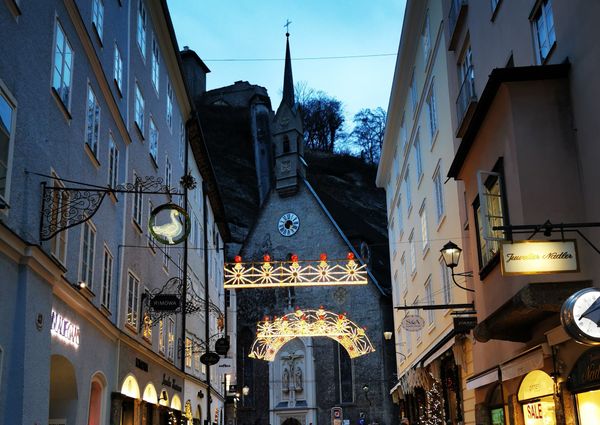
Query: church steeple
[(288, 80)]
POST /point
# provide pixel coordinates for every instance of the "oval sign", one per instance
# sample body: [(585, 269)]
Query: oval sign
[(174, 224), (413, 323), (210, 358), (222, 346)]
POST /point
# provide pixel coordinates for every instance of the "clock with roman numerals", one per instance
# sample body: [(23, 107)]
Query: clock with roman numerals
[(288, 224)]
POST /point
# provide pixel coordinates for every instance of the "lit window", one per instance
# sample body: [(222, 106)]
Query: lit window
[(133, 290), (137, 201), (63, 67), (489, 212), (429, 297), (424, 233), (147, 324), (439, 194), (7, 114), (139, 109), (98, 16), (155, 64), (118, 69), (153, 141), (544, 29), (170, 107), (446, 289), (188, 352), (107, 269), (171, 339), (413, 93), (113, 162), (432, 110), (161, 336), (196, 360), (59, 219), (92, 127), (426, 39), (141, 28), (418, 157), (88, 242)]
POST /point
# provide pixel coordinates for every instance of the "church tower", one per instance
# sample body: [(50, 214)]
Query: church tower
[(288, 136)]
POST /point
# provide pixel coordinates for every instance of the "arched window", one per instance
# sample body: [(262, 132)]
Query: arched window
[(96, 400), (346, 393)]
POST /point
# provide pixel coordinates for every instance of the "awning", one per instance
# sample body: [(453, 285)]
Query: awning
[(439, 352), (524, 363), (483, 378), (515, 319)]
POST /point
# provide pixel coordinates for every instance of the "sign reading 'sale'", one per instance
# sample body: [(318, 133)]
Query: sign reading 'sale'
[(539, 257)]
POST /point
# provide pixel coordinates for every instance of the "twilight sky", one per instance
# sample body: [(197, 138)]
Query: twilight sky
[(254, 29)]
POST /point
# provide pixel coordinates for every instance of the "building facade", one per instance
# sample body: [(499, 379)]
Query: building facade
[(93, 98), (522, 74), (424, 213)]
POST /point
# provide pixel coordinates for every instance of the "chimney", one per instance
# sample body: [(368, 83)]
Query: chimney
[(195, 71)]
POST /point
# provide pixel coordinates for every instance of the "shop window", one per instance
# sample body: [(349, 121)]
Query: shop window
[(536, 395), (496, 406)]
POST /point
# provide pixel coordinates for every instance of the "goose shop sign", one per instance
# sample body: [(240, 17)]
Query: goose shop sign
[(539, 257), (169, 224)]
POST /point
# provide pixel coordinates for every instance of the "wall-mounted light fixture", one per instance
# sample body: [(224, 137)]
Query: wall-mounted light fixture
[(451, 255), (387, 335)]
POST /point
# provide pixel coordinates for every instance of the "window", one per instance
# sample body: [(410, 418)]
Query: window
[(403, 133), (153, 141), (151, 240), (137, 201), (141, 28), (133, 291), (489, 212), (430, 301), (413, 256), (155, 64), (88, 242), (7, 115), (424, 233), (418, 157), (147, 324), (399, 210), (404, 283), (63, 67), (426, 36), (494, 4), (439, 193), (446, 289), (182, 143), (161, 336), (188, 352), (166, 257), (196, 355), (420, 331), (107, 269), (466, 79), (170, 107), (113, 162), (345, 375), (59, 219), (139, 109), (413, 93), (407, 184), (544, 29), (168, 172), (171, 339), (98, 16), (432, 110), (408, 341), (118, 69), (92, 122)]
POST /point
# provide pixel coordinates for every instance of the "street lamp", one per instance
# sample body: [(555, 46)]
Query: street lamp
[(387, 335), (246, 390), (451, 255)]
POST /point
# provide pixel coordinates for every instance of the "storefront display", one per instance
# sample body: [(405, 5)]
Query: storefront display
[(584, 383), (536, 395)]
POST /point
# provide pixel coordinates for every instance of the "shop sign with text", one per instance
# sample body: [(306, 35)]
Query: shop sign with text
[(64, 329), (413, 323), (539, 257)]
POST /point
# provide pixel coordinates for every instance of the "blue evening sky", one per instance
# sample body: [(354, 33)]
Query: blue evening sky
[(254, 29)]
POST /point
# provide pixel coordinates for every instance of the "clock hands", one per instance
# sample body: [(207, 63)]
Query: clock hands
[(593, 312)]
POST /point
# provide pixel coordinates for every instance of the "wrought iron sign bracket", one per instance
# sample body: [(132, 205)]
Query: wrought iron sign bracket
[(436, 306), (66, 207)]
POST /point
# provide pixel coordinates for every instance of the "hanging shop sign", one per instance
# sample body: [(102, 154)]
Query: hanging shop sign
[(539, 257), (413, 323), (585, 375), (464, 324), (64, 329), (222, 346), (175, 224), (210, 358), (164, 302)]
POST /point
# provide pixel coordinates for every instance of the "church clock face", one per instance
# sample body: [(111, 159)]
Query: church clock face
[(288, 224)]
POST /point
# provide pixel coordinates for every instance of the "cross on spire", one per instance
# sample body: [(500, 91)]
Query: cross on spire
[(287, 27)]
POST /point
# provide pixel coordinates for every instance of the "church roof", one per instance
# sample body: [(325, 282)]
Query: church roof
[(288, 80)]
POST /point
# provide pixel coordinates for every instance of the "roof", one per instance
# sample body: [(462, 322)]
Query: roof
[(497, 77)]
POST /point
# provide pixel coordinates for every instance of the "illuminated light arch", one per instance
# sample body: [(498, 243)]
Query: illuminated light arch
[(150, 395), (273, 334), (130, 387), (176, 402)]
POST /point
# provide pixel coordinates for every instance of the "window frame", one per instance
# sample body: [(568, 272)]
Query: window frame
[(12, 126), (432, 111), (414, 101), (169, 111), (106, 288), (413, 253), (62, 235), (98, 18), (92, 129), (418, 155), (138, 200), (132, 321), (428, 286), (155, 66), (139, 111), (118, 70), (171, 336), (153, 134), (445, 281), (86, 269), (426, 39), (438, 187), (59, 91), (540, 12), (424, 227), (113, 161), (141, 28)]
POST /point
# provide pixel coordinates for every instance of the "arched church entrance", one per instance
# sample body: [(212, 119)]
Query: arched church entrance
[(63, 391), (291, 421)]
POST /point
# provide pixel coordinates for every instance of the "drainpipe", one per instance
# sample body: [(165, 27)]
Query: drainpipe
[(185, 264), (206, 296)]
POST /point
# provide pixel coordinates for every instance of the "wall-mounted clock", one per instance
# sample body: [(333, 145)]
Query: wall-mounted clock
[(580, 316), (288, 224)]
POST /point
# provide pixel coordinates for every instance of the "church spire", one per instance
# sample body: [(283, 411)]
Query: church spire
[(288, 80)]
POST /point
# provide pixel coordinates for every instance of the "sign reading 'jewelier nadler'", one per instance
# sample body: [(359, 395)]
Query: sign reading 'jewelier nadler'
[(539, 257)]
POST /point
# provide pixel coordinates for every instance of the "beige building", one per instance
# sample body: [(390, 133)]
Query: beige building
[(523, 76), (423, 215)]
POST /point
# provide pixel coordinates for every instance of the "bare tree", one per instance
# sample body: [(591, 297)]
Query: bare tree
[(367, 136)]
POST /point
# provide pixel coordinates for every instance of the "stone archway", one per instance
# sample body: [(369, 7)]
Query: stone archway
[(291, 421)]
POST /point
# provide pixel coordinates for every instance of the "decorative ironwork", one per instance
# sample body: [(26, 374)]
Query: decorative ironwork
[(66, 207), (269, 274), (193, 302), (188, 181), (273, 334)]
